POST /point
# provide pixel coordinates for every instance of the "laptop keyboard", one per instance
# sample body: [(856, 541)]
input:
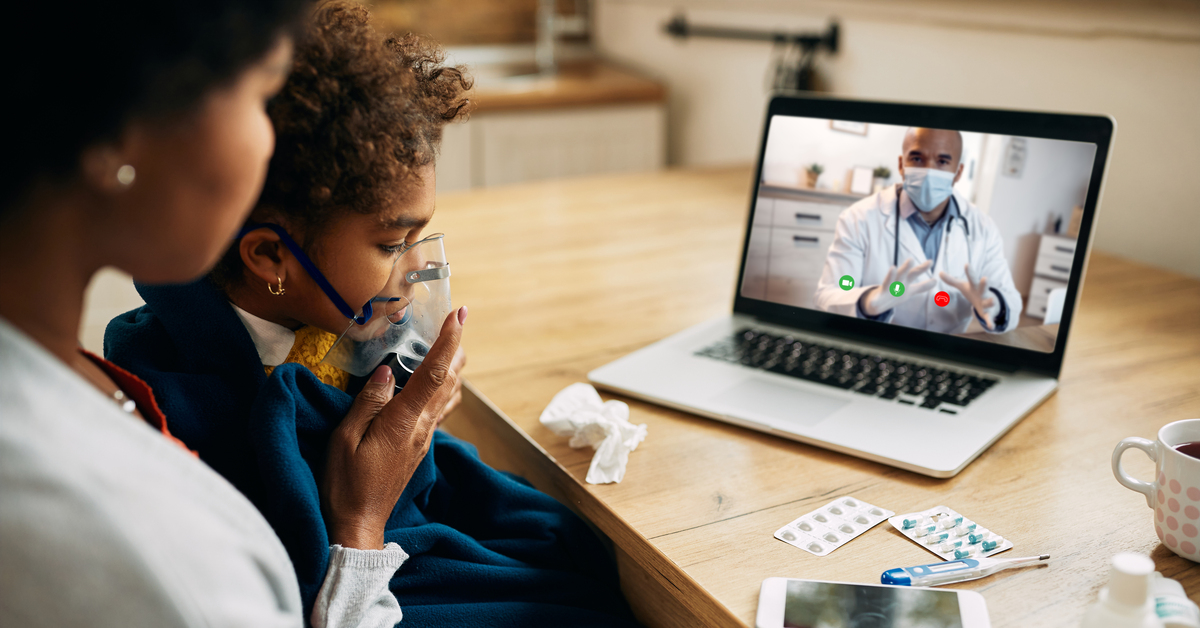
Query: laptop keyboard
[(911, 383)]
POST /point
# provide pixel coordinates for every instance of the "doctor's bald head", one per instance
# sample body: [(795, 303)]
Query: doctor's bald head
[(939, 149)]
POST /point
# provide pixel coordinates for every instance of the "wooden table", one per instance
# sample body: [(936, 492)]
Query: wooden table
[(564, 276)]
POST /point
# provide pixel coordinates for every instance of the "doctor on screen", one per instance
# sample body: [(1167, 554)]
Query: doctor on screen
[(927, 237)]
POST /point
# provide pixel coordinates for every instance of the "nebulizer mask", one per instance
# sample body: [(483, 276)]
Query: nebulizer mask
[(398, 326)]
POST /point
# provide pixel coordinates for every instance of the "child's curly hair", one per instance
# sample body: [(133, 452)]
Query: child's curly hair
[(358, 114)]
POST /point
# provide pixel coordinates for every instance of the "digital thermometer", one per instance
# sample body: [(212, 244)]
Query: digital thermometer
[(936, 574)]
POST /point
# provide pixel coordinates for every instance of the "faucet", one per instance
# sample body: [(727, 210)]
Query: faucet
[(550, 25)]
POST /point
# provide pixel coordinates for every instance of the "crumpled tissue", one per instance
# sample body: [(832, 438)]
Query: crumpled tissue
[(577, 411)]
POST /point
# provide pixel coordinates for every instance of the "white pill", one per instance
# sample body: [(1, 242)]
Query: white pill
[(948, 522), (924, 530), (934, 539), (806, 526)]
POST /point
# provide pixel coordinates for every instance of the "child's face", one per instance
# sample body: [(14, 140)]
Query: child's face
[(357, 252)]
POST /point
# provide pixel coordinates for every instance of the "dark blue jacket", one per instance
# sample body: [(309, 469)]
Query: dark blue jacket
[(486, 549)]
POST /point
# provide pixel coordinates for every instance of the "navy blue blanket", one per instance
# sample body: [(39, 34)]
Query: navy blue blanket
[(486, 549)]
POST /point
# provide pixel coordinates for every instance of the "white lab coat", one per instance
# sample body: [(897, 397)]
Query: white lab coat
[(863, 248)]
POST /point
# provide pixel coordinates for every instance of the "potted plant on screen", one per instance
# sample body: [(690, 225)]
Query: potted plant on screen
[(880, 178), (811, 174)]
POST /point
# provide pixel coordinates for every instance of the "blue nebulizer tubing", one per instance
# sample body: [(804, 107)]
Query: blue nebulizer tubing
[(949, 572)]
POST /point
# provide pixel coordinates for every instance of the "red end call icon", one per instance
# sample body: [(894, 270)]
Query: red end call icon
[(942, 299)]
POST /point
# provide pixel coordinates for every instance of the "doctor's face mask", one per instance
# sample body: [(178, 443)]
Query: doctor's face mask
[(928, 187)]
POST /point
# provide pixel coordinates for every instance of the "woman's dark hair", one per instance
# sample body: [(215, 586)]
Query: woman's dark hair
[(358, 114), (77, 72)]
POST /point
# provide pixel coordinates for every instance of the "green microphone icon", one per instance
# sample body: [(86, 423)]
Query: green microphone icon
[(897, 288)]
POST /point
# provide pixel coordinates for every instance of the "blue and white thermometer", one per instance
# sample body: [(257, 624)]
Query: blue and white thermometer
[(937, 574)]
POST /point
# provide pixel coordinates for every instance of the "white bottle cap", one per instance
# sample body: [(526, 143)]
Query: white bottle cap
[(1129, 579)]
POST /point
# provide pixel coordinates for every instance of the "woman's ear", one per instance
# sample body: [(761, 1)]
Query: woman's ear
[(103, 167), (265, 256)]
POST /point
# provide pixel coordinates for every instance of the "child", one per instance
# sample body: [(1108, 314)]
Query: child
[(237, 365)]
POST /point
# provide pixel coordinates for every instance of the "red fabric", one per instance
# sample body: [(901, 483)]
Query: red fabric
[(141, 394)]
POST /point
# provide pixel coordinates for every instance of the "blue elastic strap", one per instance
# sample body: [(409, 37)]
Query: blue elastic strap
[(313, 272)]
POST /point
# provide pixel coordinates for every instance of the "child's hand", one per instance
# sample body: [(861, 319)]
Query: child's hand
[(375, 450)]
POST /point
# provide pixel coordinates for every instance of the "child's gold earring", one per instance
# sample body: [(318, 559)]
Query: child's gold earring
[(275, 292)]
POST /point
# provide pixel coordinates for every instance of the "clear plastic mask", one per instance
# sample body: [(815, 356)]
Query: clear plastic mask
[(400, 324)]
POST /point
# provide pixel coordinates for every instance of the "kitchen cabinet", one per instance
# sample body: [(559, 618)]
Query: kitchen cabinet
[(754, 282), (792, 232), (1051, 270), (515, 146), (591, 118), (794, 264)]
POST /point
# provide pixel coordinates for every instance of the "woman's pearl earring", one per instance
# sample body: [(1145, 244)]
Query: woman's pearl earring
[(125, 175)]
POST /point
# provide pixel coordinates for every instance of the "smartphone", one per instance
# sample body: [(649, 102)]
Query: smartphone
[(794, 603)]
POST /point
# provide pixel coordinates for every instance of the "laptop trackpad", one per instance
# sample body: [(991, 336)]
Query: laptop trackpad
[(781, 404)]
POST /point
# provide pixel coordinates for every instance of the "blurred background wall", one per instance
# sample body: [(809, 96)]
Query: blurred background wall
[(1138, 61), (626, 96)]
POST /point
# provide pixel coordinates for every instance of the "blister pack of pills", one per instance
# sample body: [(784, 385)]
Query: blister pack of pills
[(832, 525), (948, 534)]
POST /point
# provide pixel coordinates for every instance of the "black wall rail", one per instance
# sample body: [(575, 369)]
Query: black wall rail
[(794, 56)]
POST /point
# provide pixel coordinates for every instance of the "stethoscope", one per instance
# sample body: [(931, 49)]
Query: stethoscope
[(949, 226)]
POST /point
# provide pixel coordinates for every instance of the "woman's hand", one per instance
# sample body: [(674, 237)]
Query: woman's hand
[(375, 450), (456, 365)]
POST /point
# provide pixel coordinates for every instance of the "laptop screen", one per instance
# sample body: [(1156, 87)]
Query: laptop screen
[(949, 231)]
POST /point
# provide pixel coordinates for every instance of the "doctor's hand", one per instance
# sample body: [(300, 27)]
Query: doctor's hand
[(976, 293), (377, 447), (879, 299)]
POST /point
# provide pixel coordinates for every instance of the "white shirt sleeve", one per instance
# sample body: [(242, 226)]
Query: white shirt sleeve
[(355, 592)]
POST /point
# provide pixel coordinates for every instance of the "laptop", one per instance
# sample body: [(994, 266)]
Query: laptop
[(822, 346)]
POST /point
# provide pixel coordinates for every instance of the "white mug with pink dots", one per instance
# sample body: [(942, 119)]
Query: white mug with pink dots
[(1175, 493)]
